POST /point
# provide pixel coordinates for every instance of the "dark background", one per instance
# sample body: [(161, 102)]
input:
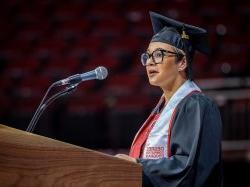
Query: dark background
[(44, 41)]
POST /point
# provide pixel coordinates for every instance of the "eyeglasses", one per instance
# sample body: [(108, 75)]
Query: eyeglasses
[(157, 56)]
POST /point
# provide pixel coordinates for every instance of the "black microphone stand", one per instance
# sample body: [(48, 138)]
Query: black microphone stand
[(45, 103)]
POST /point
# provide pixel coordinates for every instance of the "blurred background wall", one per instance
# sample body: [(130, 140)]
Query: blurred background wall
[(44, 41)]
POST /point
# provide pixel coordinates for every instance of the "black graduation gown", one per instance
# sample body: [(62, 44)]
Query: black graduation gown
[(195, 147)]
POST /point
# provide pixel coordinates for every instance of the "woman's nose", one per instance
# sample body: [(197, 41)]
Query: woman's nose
[(150, 62)]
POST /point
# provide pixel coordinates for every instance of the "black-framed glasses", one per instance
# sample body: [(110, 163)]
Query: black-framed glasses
[(157, 56)]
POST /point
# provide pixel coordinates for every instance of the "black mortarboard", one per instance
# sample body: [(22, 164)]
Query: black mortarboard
[(183, 36), (165, 31)]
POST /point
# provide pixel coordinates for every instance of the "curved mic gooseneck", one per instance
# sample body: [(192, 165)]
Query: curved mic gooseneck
[(31, 124), (43, 106)]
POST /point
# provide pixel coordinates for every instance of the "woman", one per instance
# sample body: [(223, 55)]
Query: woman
[(180, 142)]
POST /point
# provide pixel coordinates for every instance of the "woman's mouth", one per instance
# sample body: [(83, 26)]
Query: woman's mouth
[(152, 73)]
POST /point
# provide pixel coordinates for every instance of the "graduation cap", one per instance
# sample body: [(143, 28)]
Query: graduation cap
[(181, 35), (178, 34)]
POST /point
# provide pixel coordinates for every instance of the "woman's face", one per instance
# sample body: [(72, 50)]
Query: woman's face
[(162, 74)]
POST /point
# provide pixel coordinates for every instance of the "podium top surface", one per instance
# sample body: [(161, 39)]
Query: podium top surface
[(20, 137)]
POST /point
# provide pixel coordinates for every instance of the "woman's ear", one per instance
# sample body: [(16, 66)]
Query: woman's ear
[(182, 64)]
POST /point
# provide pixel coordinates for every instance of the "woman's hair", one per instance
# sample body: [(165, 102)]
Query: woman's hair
[(179, 56), (180, 53)]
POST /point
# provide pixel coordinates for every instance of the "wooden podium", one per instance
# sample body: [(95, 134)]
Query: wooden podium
[(30, 160)]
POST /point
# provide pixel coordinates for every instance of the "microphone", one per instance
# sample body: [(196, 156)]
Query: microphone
[(99, 73)]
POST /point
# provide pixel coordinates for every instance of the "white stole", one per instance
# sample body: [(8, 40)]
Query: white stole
[(156, 145)]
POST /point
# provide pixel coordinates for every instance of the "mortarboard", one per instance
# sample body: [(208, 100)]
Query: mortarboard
[(170, 31), (181, 35)]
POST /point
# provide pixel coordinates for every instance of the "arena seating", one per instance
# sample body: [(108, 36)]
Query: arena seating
[(44, 41)]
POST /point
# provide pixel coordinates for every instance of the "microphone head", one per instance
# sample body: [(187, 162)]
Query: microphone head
[(101, 73)]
